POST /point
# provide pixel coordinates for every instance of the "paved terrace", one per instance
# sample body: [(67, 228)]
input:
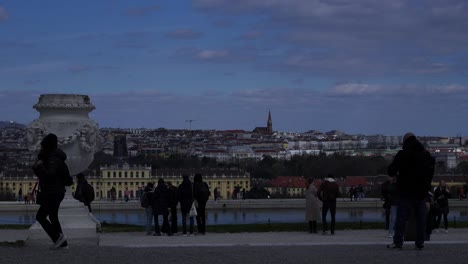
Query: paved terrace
[(347, 246)]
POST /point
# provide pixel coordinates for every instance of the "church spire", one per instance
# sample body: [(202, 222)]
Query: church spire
[(269, 123)]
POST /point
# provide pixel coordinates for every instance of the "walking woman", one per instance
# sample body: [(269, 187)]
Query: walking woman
[(50, 168)]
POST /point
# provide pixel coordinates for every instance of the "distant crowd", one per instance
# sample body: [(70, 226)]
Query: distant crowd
[(162, 201)]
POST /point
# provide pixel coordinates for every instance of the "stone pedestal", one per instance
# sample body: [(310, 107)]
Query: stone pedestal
[(66, 115)]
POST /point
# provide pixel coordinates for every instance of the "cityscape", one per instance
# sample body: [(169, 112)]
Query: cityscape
[(225, 147)]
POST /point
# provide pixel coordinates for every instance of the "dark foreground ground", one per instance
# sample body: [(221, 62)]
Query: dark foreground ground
[(86, 254)]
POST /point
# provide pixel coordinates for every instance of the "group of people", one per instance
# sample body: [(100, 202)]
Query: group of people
[(408, 192), (437, 207), (163, 200), (326, 195)]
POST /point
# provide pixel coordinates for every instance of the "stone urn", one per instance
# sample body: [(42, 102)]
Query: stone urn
[(66, 115)]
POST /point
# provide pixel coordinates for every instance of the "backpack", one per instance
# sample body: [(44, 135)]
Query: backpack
[(204, 191), (144, 200), (87, 192)]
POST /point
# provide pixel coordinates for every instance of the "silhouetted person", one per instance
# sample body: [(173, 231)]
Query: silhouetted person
[(185, 198), (84, 191), (413, 168), (201, 193), (50, 168), (173, 207), (390, 197), (161, 202), (328, 192), (312, 206), (441, 196)]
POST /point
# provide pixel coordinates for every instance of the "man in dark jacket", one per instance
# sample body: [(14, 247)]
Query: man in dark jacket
[(185, 198), (52, 189), (413, 168), (390, 197), (173, 207), (441, 196), (327, 193), (201, 194), (161, 202)]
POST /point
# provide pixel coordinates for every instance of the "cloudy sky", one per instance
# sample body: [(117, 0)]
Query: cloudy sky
[(361, 66)]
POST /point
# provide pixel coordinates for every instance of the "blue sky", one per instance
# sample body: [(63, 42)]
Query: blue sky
[(361, 66)]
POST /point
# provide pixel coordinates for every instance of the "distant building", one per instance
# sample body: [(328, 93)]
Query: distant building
[(120, 146), (287, 186), (265, 130)]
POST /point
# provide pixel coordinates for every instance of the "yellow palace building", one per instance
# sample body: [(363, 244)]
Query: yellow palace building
[(134, 178)]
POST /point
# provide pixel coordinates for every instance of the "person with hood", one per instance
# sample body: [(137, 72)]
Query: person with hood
[(84, 191), (413, 168), (185, 198), (390, 197), (50, 168), (441, 196), (312, 206), (173, 207), (161, 202), (327, 193), (201, 194), (145, 199)]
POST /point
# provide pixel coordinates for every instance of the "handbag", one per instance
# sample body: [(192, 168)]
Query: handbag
[(40, 196), (193, 210)]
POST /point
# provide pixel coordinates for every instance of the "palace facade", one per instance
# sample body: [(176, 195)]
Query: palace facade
[(133, 178)]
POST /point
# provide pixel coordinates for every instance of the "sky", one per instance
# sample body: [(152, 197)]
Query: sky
[(360, 66)]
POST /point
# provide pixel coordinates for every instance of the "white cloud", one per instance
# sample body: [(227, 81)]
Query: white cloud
[(212, 54), (374, 37), (356, 89)]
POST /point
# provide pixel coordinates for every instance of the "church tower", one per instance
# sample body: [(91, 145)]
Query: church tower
[(269, 123)]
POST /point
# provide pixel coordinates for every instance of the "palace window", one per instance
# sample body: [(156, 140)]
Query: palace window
[(125, 174)]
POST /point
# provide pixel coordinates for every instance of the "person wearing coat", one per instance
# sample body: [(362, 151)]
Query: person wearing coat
[(201, 193), (161, 202), (185, 198), (312, 214), (47, 168)]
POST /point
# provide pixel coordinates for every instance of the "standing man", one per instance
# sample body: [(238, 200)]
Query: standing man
[(173, 207), (390, 197), (185, 197), (201, 193), (413, 168), (441, 196), (160, 202), (145, 201), (113, 194), (327, 193), (51, 170)]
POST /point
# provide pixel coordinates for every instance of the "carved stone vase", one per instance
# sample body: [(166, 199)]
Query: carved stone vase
[(66, 115)]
